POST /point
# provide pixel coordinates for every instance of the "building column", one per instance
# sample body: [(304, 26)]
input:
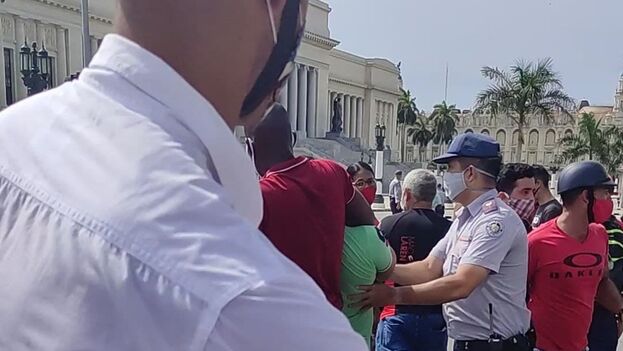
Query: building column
[(20, 35), (301, 120), (282, 98), (312, 97), (3, 102), (360, 117), (353, 117), (61, 55), (347, 119), (293, 83)]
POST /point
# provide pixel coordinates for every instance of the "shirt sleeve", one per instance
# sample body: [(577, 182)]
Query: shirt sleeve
[(268, 317), (378, 250), (441, 249), (550, 213), (342, 177), (491, 241)]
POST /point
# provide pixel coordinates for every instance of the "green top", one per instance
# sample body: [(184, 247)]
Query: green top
[(365, 254)]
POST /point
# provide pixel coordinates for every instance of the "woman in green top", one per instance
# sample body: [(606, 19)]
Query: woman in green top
[(367, 258)]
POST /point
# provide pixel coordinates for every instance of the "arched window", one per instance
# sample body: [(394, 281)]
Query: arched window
[(568, 132), (500, 136), (515, 137), (533, 138), (469, 131), (550, 138), (485, 132)]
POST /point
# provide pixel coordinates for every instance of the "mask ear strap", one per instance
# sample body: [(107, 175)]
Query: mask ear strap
[(591, 203)]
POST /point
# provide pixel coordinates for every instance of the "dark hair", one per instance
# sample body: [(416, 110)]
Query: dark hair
[(489, 165), (353, 169), (511, 173), (569, 197), (541, 174)]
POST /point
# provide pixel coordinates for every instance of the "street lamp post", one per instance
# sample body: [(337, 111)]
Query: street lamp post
[(35, 66), (379, 133)]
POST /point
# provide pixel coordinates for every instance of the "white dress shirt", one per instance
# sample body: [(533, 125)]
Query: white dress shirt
[(117, 231)]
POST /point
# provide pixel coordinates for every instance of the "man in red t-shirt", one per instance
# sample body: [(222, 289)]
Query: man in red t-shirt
[(307, 203), (568, 261)]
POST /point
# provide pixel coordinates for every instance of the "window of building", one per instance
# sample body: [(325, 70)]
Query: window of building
[(533, 139), (515, 137), (8, 76), (485, 132), (532, 158), (501, 137), (550, 138), (52, 77)]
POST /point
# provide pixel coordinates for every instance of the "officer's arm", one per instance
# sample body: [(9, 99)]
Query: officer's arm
[(418, 272), (608, 295), (449, 288)]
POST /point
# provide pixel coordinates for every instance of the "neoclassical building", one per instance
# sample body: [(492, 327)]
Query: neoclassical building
[(367, 88), (541, 139)]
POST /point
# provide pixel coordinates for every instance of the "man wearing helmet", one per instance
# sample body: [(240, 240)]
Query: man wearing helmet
[(568, 261)]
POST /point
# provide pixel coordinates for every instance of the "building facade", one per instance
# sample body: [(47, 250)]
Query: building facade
[(366, 90), (541, 139)]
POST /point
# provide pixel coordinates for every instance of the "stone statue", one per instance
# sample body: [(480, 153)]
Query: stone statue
[(336, 120)]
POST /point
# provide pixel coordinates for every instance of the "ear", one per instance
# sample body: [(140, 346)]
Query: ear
[(504, 196), (585, 196)]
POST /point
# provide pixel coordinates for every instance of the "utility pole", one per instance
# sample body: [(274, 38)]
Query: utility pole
[(445, 95)]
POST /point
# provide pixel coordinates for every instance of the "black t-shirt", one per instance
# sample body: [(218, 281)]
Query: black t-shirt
[(412, 235), (547, 212)]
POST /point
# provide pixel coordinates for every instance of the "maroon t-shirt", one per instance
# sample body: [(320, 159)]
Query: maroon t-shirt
[(304, 217)]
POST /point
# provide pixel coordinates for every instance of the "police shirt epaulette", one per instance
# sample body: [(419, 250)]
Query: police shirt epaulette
[(489, 206)]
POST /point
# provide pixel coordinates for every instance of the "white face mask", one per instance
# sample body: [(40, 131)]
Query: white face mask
[(455, 184)]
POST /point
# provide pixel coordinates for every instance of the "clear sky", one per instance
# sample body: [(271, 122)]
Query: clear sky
[(583, 37)]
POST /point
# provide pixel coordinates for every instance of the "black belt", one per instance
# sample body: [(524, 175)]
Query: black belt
[(514, 343)]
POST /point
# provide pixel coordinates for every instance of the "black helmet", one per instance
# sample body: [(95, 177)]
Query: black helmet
[(585, 174)]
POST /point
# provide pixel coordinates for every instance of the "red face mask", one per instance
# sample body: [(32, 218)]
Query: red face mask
[(369, 193), (602, 210)]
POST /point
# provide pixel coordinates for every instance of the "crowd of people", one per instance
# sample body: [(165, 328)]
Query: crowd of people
[(132, 220), (515, 270)]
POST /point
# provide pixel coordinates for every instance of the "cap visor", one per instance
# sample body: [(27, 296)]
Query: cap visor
[(444, 159)]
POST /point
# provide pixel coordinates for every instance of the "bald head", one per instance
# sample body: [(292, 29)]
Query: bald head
[(272, 139), (220, 47)]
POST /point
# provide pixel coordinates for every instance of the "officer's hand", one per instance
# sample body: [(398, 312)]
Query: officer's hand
[(378, 295)]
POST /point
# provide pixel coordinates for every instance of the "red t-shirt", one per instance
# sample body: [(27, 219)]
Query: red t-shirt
[(563, 275), (304, 217)]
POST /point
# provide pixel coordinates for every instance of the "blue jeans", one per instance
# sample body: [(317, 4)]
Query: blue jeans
[(412, 332)]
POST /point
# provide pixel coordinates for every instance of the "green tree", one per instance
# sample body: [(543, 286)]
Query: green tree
[(407, 116), (528, 89), (595, 142), (587, 141), (421, 135), (444, 119)]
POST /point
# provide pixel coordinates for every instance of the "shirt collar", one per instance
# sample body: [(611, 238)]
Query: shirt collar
[(156, 78), (286, 166), (475, 206)]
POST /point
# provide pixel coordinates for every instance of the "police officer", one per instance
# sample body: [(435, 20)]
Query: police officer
[(478, 271)]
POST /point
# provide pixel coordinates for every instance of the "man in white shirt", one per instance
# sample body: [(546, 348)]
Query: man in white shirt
[(395, 192), (129, 211)]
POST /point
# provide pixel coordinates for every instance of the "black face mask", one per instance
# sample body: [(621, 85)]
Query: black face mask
[(281, 61)]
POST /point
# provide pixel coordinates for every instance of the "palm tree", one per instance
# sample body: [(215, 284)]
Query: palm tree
[(444, 119), (587, 141), (529, 89), (596, 143), (407, 116), (420, 134)]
